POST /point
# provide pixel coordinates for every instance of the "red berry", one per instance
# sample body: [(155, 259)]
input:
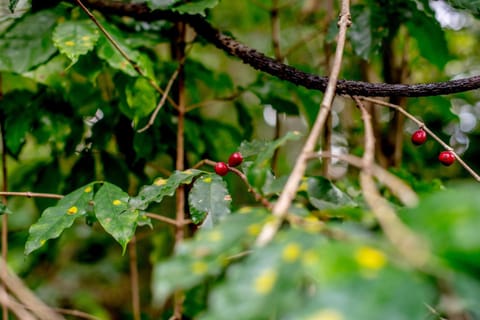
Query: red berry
[(235, 159), (446, 158), (419, 137), (221, 168)]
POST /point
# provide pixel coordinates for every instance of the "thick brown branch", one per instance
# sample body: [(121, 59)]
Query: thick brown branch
[(266, 64)]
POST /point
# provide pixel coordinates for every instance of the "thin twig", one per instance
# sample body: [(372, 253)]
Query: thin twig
[(167, 220), (29, 194), (162, 100), (179, 53), (430, 132), (132, 252), (231, 97), (4, 231), (15, 285), (405, 241), (76, 313), (17, 308), (124, 54), (283, 204), (275, 25)]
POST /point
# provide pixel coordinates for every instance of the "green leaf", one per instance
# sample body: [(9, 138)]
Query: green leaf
[(28, 43), (209, 197), (196, 6), (363, 36), (342, 272), (12, 5), (106, 51), (452, 215), (16, 128), (162, 187), (304, 276), (323, 194), (267, 283), (141, 99), (75, 38), (56, 219), (430, 38), (114, 213), (207, 253), (4, 209)]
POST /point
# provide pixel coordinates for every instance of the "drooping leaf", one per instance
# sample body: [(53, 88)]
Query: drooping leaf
[(141, 99), (162, 187), (209, 198), (323, 194), (114, 213), (207, 253), (75, 38), (56, 219), (28, 43)]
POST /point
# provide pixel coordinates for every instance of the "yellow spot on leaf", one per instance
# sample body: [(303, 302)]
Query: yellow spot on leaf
[(88, 189), (370, 258), (291, 252), (309, 258), (188, 171), (69, 43), (312, 224), (160, 182), (254, 229), (85, 38), (199, 267), (303, 186), (326, 314), (42, 242), (245, 210), (116, 202), (264, 283), (215, 236), (72, 210), (207, 179)]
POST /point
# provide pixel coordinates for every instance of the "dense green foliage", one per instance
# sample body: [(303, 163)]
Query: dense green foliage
[(73, 110)]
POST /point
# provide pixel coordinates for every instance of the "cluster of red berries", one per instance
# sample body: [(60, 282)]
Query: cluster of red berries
[(235, 159), (445, 157)]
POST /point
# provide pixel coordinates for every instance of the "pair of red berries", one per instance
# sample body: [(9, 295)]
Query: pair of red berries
[(445, 157), (235, 159)]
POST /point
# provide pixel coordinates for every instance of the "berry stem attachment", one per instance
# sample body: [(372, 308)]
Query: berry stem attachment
[(258, 197)]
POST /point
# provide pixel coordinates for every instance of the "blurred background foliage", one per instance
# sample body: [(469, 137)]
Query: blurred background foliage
[(70, 117)]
